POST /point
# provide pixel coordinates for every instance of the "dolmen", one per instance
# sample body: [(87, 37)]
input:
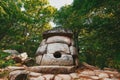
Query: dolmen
[(57, 53)]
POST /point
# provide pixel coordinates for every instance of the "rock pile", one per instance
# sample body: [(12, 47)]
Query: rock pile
[(88, 73), (57, 59)]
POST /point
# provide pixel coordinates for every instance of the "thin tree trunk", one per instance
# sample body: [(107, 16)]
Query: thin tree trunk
[(76, 39)]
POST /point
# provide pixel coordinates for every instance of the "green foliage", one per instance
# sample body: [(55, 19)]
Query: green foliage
[(95, 24), (3, 61), (22, 23)]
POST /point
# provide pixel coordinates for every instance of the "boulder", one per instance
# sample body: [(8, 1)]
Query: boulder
[(57, 47), (11, 52), (59, 39), (63, 60), (23, 56)]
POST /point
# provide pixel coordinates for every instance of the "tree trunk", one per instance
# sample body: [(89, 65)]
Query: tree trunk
[(76, 40)]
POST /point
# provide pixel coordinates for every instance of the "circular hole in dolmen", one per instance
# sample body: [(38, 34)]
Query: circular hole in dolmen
[(57, 54)]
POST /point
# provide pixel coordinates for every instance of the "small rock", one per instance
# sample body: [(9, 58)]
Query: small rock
[(34, 74), (48, 76), (65, 76), (97, 72), (58, 78), (11, 52), (103, 75), (94, 77), (111, 72), (90, 73), (74, 75), (38, 78), (107, 79), (84, 77), (23, 56), (111, 75)]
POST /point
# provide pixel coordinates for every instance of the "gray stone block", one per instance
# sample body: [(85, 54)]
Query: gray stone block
[(63, 60), (73, 50), (57, 47), (59, 39), (41, 50), (39, 59)]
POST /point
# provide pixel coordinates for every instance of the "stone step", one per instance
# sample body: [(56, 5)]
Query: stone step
[(53, 69)]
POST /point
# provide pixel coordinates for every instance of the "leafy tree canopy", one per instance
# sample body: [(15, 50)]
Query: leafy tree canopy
[(95, 24), (22, 22)]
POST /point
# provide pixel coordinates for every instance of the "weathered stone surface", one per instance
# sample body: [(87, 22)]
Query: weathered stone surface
[(73, 50), (74, 76), (52, 69), (64, 60), (14, 74), (58, 78), (39, 59), (88, 73), (103, 75), (11, 52), (49, 76), (57, 47), (38, 78), (34, 74), (57, 31), (62, 73), (59, 39), (76, 61), (95, 77), (12, 68), (23, 56), (43, 42), (41, 50), (65, 76)]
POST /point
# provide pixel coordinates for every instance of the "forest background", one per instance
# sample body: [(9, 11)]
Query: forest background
[(95, 25)]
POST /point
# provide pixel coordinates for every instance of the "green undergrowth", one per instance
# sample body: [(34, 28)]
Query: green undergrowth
[(5, 62)]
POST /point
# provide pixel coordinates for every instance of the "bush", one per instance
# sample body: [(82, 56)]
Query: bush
[(3, 61)]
